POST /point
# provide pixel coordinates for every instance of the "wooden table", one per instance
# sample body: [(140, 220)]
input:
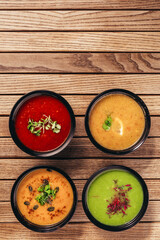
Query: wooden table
[(80, 48)]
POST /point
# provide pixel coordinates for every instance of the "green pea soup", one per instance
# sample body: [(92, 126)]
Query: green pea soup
[(102, 192)]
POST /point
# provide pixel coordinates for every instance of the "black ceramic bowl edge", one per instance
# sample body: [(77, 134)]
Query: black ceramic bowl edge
[(129, 224), (12, 117), (40, 228), (146, 114)]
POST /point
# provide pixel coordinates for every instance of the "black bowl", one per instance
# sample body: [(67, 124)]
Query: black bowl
[(15, 110), (146, 115), (129, 224), (30, 225)]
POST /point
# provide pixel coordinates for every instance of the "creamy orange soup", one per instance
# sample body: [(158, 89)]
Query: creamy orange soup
[(28, 192), (127, 124)]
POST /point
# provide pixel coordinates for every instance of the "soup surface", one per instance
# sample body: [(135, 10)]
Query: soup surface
[(125, 120), (38, 109), (54, 209), (115, 197)]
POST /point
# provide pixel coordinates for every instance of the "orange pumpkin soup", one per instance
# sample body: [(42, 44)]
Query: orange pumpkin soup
[(44, 197), (117, 122)]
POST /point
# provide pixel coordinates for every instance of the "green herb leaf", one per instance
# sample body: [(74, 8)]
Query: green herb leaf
[(47, 126), (105, 127), (58, 126), (47, 187), (56, 130), (46, 193), (109, 119), (41, 189), (54, 124), (107, 123)]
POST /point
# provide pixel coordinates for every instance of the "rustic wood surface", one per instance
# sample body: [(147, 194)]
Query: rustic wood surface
[(80, 41), (80, 20), (79, 4), (81, 63), (79, 48)]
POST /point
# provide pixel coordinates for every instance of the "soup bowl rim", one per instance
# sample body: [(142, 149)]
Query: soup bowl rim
[(19, 104), (144, 108), (27, 223), (129, 224)]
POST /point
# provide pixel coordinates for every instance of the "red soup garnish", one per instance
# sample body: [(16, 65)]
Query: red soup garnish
[(43, 123)]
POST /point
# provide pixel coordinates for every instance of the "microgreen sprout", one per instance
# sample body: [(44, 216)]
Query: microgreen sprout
[(44, 124), (107, 123), (46, 194)]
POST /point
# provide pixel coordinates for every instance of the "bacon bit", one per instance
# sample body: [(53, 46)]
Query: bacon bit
[(120, 202)]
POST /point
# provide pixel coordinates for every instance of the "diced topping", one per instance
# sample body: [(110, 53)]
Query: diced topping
[(120, 202)]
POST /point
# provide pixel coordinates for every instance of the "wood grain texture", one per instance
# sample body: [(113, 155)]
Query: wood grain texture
[(79, 231), (153, 188), (80, 20), (82, 148), (152, 213), (79, 103), (79, 83), (79, 49), (80, 63), (79, 4), (80, 129), (79, 168), (80, 41)]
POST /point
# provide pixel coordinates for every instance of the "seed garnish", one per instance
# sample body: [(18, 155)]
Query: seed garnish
[(35, 207), (30, 188), (50, 209), (26, 203)]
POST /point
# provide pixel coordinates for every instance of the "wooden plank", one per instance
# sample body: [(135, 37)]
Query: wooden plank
[(80, 20), (79, 4), (79, 103), (78, 83), (152, 214), (80, 63), (147, 231), (153, 187), (82, 148), (79, 168), (80, 129), (80, 41)]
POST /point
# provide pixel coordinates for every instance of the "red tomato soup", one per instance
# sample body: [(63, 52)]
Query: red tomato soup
[(36, 109)]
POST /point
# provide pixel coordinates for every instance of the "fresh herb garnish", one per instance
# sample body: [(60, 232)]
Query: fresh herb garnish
[(107, 123), (42, 125), (46, 193), (120, 202)]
